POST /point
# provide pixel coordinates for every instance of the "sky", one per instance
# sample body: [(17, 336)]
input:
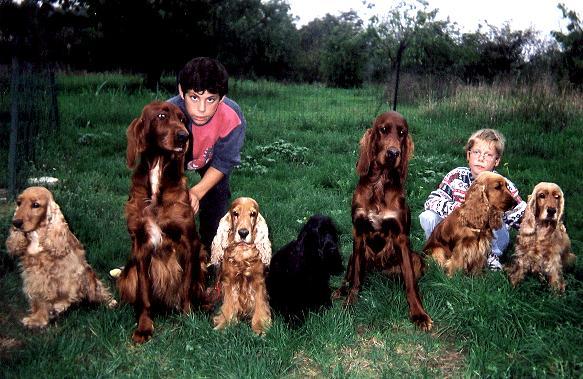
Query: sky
[(542, 15)]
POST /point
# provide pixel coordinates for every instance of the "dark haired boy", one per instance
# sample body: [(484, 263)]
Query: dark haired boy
[(217, 129)]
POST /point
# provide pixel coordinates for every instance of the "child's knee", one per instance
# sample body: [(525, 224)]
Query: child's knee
[(429, 220)]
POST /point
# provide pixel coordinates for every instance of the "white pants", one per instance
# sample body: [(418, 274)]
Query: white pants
[(430, 219)]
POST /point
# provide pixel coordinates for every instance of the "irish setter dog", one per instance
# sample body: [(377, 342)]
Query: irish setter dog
[(55, 273), (463, 240), (542, 245), (381, 218), (166, 266), (242, 249)]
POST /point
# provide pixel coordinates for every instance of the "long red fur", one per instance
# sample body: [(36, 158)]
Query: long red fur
[(166, 266), (380, 215)]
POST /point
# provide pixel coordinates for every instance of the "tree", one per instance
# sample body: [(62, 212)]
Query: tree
[(344, 54), (405, 22), (572, 44), (498, 53)]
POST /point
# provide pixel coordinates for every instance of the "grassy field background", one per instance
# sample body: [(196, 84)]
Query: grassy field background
[(299, 158)]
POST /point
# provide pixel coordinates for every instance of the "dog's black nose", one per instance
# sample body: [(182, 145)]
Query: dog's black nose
[(393, 153), (243, 233), (182, 136), (551, 211), (17, 223)]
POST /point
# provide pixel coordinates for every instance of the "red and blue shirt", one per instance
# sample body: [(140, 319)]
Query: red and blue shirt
[(217, 143)]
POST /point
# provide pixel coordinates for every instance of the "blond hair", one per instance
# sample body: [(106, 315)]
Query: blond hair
[(490, 136)]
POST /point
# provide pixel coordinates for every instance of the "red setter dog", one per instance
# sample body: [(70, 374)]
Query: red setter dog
[(381, 218), (166, 266), (463, 240), (243, 251), (543, 245)]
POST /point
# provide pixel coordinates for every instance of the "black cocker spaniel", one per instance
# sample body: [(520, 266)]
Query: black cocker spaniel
[(299, 275)]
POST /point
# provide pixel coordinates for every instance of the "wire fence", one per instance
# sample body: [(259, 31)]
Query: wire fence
[(28, 110)]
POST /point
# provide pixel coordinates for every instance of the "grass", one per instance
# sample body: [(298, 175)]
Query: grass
[(298, 159)]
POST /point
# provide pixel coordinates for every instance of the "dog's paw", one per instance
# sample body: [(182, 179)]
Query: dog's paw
[(34, 322), (423, 321)]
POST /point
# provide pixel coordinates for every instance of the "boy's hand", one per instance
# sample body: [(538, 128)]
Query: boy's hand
[(194, 200)]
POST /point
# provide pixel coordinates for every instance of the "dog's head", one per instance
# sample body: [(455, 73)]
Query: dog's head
[(34, 208), (387, 145), (318, 242), (161, 126), (243, 224), (545, 205), (487, 199)]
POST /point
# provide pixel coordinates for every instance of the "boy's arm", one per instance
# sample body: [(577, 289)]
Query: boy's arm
[(514, 216), (210, 179), (441, 200)]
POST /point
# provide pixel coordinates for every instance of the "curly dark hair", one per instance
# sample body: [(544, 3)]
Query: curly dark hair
[(204, 74)]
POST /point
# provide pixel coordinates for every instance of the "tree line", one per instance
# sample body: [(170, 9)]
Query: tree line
[(258, 39)]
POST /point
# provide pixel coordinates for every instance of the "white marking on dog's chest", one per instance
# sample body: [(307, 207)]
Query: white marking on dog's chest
[(154, 232), (155, 175), (34, 245)]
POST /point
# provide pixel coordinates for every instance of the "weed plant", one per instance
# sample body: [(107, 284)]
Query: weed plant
[(299, 157)]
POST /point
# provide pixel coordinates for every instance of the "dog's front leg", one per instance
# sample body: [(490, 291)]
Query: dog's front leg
[(142, 305), (229, 309), (39, 315), (261, 320), (416, 312)]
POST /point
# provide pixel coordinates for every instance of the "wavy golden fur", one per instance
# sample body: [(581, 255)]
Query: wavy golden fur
[(542, 245), (55, 273), (463, 240), (243, 251)]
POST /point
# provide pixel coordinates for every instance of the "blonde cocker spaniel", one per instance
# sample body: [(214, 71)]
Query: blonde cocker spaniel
[(55, 273), (542, 245), (242, 251)]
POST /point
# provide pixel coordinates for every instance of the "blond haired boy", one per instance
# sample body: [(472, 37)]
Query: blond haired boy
[(484, 151)]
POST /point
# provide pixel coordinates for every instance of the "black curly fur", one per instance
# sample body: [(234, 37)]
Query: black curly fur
[(298, 281)]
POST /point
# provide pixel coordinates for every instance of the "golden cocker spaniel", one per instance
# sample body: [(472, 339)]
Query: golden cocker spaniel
[(463, 240), (242, 250), (542, 245), (55, 273)]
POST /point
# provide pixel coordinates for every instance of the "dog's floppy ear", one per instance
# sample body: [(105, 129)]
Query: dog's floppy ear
[(475, 213), (136, 135), (59, 240), (561, 210), (408, 154), (262, 242), (221, 240), (366, 152), (528, 224)]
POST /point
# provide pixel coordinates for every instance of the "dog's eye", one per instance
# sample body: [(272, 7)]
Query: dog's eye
[(162, 116), (35, 205), (498, 186), (235, 214), (541, 195), (383, 129), (402, 132), (253, 214)]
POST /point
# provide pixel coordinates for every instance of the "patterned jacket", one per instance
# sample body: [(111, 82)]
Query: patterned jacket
[(451, 193)]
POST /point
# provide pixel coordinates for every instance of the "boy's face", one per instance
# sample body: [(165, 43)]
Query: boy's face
[(201, 106), (482, 157)]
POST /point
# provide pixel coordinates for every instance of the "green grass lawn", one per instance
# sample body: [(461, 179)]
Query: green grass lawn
[(299, 158)]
